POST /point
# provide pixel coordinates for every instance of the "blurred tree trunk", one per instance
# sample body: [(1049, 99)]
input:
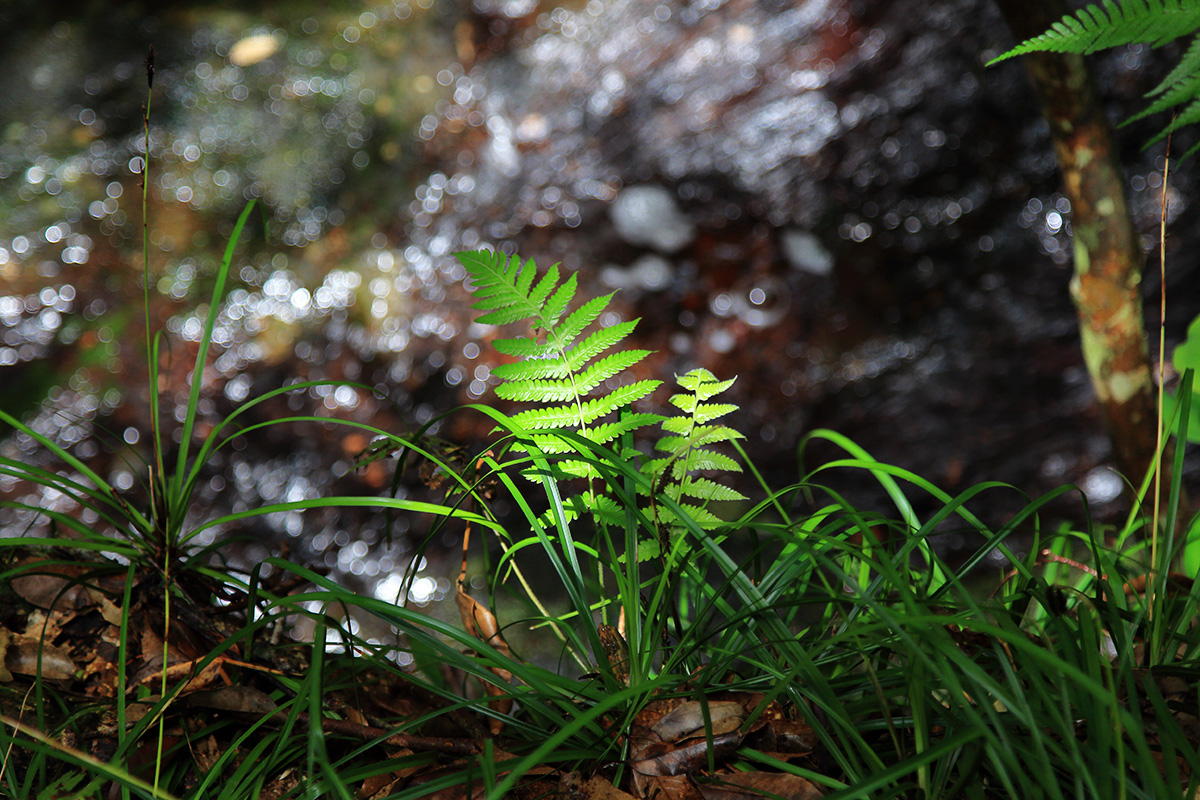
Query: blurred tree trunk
[(1108, 259)]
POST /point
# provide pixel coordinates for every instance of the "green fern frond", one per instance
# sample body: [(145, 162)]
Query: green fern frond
[(611, 431), (537, 419), (703, 384), (704, 412), (1109, 24), (1184, 88), (563, 371), (566, 374), (706, 489), (1152, 22), (1183, 72), (1181, 86), (583, 316), (688, 451), (535, 391), (524, 348), (609, 366)]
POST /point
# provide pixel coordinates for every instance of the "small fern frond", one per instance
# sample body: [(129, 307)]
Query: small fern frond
[(687, 452), (565, 373), (1109, 24)]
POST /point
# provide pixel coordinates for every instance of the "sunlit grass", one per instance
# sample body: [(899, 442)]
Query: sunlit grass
[(912, 684)]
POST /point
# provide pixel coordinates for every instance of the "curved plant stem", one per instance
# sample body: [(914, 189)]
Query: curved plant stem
[(1162, 351)]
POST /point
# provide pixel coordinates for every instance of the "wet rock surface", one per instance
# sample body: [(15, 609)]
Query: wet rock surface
[(835, 202), (874, 242)]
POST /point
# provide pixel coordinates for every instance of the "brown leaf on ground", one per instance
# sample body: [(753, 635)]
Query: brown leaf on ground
[(572, 786), (56, 586), (237, 699), (756, 785), (688, 719), (5, 636), (599, 789), (665, 787), (481, 623), (34, 658), (674, 740), (205, 753)]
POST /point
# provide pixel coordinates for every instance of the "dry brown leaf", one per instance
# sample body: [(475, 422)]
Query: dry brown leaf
[(665, 787), (5, 675), (596, 788), (671, 759), (688, 719), (239, 699), (108, 609), (793, 736), (40, 625), (481, 623), (23, 659), (756, 785), (51, 591), (206, 753)]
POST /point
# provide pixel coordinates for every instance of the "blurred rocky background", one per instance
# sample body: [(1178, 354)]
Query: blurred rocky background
[(832, 200)]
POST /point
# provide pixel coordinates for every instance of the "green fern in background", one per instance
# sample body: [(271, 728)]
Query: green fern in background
[(1152, 22)]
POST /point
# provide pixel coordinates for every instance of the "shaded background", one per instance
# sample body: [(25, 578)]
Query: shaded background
[(834, 201)]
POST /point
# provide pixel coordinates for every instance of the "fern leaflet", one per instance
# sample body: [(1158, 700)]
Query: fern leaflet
[(1109, 24)]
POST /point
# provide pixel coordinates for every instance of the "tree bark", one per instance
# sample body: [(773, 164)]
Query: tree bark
[(1108, 259)]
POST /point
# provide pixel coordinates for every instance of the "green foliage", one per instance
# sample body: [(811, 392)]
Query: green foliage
[(1185, 357), (1109, 24), (688, 447), (903, 680), (1152, 22), (897, 677), (568, 374)]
